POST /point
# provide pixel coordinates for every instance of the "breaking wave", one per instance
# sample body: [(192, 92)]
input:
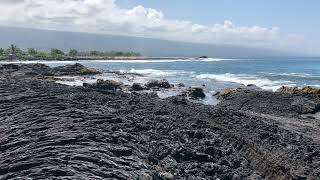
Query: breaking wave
[(246, 79), (301, 75), (158, 73)]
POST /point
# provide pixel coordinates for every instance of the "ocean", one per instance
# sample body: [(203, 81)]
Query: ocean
[(218, 74)]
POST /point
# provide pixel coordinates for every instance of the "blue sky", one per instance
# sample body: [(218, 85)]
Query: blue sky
[(296, 16), (292, 16), (289, 25)]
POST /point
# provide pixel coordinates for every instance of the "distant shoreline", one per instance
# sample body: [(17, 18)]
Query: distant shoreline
[(99, 58)]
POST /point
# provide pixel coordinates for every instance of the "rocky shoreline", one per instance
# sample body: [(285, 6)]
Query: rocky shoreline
[(54, 131)]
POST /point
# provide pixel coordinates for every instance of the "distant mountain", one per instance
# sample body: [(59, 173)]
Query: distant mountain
[(46, 39)]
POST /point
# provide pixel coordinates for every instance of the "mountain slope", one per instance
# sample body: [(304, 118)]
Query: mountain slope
[(46, 39)]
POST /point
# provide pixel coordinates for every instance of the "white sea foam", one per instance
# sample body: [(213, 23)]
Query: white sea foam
[(215, 59), (157, 73), (246, 79), (291, 74)]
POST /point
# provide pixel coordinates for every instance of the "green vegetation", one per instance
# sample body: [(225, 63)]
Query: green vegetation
[(13, 53), (2, 52), (56, 53), (73, 53), (32, 51)]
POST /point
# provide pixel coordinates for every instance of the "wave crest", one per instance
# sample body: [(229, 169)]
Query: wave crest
[(157, 73), (246, 79)]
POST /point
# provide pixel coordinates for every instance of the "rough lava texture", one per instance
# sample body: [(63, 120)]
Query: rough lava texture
[(137, 87), (105, 85), (76, 69), (277, 103), (296, 90), (158, 84), (54, 131), (32, 70), (194, 93)]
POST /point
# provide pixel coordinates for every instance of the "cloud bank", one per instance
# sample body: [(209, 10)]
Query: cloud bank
[(106, 17)]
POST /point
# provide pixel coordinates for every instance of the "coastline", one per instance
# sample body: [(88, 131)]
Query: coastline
[(93, 131), (217, 74), (97, 58)]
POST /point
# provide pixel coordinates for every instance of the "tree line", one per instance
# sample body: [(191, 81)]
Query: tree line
[(13, 52)]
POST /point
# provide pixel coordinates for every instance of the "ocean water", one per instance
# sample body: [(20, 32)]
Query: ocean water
[(218, 74)]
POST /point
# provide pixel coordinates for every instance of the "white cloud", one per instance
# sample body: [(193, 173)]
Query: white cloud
[(105, 16)]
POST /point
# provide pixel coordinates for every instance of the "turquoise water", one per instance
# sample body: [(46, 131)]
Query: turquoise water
[(217, 74)]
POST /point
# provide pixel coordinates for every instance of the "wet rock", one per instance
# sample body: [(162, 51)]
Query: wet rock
[(215, 93), (195, 93), (86, 85), (158, 84), (137, 87), (251, 85), (180, 85)]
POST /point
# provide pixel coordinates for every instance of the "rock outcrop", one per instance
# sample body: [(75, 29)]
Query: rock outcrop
[(105, 85), (54, 131), (158, 84), (228, 92), (25, 70), (31, 70), (281, 104), (137, 87), (295, 90), (76, 69), (195, 93), (181, 85)]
